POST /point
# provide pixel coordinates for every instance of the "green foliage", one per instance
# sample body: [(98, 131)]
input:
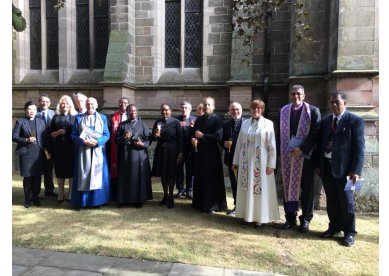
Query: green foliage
[(18, 21), (250, 16), (60, 4)]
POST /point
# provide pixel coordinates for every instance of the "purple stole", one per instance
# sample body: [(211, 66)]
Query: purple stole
[(292, 167)]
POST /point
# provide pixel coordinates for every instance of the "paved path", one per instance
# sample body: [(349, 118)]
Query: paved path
[(26, 261)]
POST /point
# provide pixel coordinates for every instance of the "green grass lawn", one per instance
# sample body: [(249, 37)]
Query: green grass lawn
[(185, 235)]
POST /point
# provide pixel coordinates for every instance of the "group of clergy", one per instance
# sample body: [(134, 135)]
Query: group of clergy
[(304, 143)]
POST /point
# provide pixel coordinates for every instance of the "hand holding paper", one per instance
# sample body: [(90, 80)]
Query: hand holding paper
[(350, 186)]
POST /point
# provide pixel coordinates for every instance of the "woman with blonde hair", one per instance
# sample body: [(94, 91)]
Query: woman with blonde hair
[(62, 144), (255, 161)]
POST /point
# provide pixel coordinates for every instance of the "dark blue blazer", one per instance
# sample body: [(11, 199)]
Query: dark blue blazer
[(50, 115), (348, 145), (22, 131)]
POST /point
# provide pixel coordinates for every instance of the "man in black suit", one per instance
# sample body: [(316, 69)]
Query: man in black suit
[(341, 155), (187, 122), (300, 119), (47, 114), (231, 128)]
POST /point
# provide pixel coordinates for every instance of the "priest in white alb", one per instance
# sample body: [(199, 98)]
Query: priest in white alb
[(254, 162)]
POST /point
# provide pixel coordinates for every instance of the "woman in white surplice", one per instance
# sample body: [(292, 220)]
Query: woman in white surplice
[(255, 161)]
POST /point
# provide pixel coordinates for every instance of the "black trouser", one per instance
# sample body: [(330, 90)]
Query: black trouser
[(31, 186), (187, 161), (307, 195), (233, 183), (114, 188), (48, 176), (340, 203)]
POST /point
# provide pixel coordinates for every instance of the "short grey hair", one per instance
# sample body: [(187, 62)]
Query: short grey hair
[(187, 103), (296, 87)]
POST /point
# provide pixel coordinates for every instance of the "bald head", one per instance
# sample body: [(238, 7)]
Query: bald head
[(235, 110), (91, 105)]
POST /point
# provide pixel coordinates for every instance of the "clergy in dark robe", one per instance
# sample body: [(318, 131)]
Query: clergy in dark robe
[(209, 194), (168, 152), (134, 171)]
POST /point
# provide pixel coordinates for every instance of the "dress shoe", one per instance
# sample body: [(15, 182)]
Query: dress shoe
[(163, 201), (329, 234), (51, 194), (180, 194), (258, 225), (170, 203), (231, 212), (289, 225), (304, 226), (37, 203), (348, 240), (245, 223)]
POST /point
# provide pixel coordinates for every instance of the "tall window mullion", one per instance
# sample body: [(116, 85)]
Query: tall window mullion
[(193, 33), (52, 34), (101, 32), (172, 33), (83, 48), (35, 35)]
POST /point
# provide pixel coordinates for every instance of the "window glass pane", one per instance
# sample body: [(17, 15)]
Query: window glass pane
[(172, 34), (52, 34), (82, 13), (35, 35), (192, 5), (193, 33), (101, 32)]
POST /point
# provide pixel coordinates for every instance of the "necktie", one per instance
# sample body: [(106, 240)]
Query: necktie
[(334, 124), (44, 117)]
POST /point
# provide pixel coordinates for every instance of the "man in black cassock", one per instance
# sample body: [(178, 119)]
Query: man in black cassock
[(209, 194), (134, 170)]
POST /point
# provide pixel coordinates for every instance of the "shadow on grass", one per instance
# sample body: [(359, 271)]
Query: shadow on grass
[(183, 209), (185, 235)]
